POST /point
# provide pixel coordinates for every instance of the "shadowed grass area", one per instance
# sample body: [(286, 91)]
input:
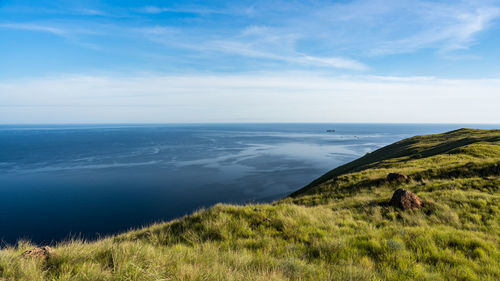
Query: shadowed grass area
[(340, 227)]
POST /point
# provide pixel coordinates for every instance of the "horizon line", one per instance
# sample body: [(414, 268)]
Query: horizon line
[(230, 123)]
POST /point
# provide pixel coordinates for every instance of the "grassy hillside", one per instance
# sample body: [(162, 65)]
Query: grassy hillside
[(339, 227)]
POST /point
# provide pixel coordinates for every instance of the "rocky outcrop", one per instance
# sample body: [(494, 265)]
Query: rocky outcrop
[(43, 252), (405, 199)]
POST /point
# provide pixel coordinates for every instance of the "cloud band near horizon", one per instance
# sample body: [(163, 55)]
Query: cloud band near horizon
[(258, 97)]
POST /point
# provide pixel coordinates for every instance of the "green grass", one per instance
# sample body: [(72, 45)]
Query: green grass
[(340, 227)]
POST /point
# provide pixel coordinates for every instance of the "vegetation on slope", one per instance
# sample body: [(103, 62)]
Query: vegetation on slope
[(340, 227)]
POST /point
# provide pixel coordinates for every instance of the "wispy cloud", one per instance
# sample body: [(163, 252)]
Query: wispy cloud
[(442, 27), (156, 30), (159, 10), (284, 54), (337, 62), (92, 12), (339, 36), (343, 35), (70, 31), (35, 27), (263, 43), (67, 29), (380, 28)]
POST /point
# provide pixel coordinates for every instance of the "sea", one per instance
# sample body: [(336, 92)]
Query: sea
[(85, 181)]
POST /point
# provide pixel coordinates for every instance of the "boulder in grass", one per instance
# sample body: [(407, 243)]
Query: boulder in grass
[(43, 252), (405, 200)]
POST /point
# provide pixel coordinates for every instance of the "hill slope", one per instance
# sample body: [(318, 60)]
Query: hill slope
[(339, 227)]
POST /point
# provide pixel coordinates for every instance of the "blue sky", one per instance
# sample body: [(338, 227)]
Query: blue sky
[(249, 61)]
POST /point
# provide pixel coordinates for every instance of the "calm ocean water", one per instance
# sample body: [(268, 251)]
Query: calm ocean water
[(62, 181)]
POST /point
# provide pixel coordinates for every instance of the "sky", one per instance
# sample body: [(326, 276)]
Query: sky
[(249, 61)]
